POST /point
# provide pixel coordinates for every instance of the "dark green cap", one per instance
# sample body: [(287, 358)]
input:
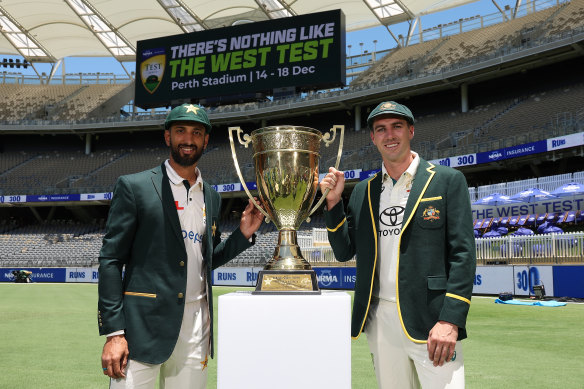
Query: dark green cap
[(188, 113), (390, 108)]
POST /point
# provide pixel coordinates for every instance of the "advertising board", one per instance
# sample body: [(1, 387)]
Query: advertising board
[(305, 51)]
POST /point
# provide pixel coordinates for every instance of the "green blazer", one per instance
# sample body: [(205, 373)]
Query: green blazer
[(437, 255), (143, 233)]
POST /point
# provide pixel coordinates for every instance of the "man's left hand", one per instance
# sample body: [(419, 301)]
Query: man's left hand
[(441, 342), (251, 220)]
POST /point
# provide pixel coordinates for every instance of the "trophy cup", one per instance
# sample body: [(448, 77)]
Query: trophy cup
[(286, 167)]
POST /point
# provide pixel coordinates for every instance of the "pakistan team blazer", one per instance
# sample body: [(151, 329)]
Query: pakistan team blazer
[(436, 250), (144, 235)]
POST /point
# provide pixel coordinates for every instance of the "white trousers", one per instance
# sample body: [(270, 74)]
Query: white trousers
[(186, 367), (401, 363)]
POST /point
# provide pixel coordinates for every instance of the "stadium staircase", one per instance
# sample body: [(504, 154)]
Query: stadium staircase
[(110, 105), (61, 106)]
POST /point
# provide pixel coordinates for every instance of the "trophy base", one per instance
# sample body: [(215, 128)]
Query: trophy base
[(287, 282)]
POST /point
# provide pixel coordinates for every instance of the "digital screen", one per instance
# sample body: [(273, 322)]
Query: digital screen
[(304, 52)]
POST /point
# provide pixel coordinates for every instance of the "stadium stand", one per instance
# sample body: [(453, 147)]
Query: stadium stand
[(58, 243), (445, 53), (53, 102)]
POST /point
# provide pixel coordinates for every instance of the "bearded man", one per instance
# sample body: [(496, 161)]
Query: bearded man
[(162, 241)]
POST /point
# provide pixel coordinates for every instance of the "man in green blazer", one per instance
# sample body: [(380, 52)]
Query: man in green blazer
[(410, 227), (162, 241)]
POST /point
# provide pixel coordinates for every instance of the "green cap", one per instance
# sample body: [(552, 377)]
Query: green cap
[(390, 108), (188, 113)]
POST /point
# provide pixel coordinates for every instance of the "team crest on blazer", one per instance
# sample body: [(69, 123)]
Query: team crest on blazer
[(431, 214)]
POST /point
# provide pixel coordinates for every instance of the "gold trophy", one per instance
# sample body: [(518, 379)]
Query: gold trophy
[(286, 167)]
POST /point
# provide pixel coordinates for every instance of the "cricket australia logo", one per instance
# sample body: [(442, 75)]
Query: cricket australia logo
[(152, 68), (431, 214), (387, 106)]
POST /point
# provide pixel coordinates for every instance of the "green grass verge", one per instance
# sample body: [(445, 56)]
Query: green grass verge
[(50, 340)]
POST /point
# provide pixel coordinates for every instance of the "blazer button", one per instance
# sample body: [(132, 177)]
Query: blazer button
[(180, 295), (181, 263)]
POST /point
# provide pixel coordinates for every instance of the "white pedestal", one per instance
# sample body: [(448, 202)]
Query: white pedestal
[(273, 341)]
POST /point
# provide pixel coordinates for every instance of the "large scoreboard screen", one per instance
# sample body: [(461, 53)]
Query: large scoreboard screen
[(305, 52)]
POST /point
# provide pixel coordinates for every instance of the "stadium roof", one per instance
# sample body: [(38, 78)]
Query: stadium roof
[(49, 30)]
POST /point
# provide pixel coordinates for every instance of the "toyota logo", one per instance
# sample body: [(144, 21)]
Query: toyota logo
[(389, 215)]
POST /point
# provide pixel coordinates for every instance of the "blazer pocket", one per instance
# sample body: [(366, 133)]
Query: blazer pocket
[(436, 282), (431, 199), (431, 213), (435, 294), (140, 294)]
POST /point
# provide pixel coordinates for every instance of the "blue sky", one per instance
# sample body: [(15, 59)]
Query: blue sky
[(384, 39)]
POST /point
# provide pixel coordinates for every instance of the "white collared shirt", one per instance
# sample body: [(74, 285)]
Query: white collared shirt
[(190, 206), (392, 205)]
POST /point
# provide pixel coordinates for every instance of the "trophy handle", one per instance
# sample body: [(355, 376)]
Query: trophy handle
[(327, 142), (245, 140)]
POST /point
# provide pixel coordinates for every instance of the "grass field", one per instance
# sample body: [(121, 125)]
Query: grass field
[(49, 339)]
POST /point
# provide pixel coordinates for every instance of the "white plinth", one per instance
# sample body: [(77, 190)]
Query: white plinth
[(271, 341)]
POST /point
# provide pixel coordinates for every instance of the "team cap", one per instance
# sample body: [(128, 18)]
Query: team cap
[(188, 113), (390, 108)]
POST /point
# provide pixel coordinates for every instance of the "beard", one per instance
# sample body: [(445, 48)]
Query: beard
[(185, 160)]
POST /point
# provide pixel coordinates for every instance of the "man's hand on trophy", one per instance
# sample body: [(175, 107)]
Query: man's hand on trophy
[(251, 219), (334, 181)]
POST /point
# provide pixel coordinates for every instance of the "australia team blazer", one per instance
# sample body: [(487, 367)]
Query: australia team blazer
[(436, 252), (143, 233)]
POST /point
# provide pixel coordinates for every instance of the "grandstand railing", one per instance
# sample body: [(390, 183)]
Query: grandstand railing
[(68, 79), (478, 21), (565, 248)]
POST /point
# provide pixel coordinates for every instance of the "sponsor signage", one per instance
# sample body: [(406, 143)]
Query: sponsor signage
[(563, 142), (336, 277), (559, 205), (354, 174), (300, 51), (96, 196), (526, 277), (234, 187), (512, 152), (39, 274), (45, 198), (493, 280), (461, 160), (568, 281), (236, 276), (365, 175), (559, 281), (13, 199), (81, 274), (520, 280)]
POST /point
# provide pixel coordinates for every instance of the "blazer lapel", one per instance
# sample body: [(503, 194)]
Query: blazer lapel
[(374, 193), (210, 226), (424, 175), (162, 186)]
